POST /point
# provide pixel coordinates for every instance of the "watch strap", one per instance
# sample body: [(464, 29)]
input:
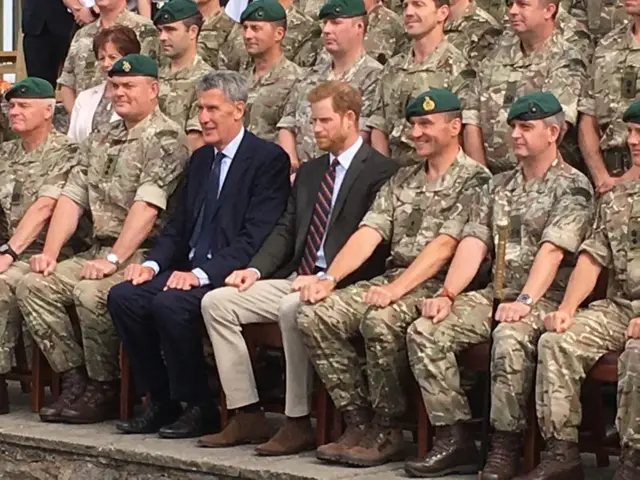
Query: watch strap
[(445, 292), (7, 250)]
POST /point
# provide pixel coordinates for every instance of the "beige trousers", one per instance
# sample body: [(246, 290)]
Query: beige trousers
[(226, 309)]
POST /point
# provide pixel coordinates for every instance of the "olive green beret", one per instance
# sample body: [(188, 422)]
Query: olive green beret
[(342, 9), (135, 64), (534, 106), (30, 87), (264, 11), (174, 11), (436, 100), (632, 113)]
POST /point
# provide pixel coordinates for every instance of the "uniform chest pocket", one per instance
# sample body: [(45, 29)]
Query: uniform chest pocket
[(628, 82), (510, 94)]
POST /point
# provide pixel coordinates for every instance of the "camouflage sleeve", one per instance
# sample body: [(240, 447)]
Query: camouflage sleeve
[(61, 161), (383, 44), (231, 51), (307, 54), (597, 243), (480, 216), (378, 119), (77, 182), (471, 111), (458, 217), (380, 215), (566, 80), (368, 90), (68, 73), (570, 217), (166, 158), (587, 101), (193, 124), (149, 42), (461, 83), (479, 49), (288, 119)]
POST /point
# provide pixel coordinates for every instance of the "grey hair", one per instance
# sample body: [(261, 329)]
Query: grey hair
[(559, 120), (233, 85)]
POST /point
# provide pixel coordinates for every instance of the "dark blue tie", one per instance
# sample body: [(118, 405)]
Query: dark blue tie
[(201, 239)]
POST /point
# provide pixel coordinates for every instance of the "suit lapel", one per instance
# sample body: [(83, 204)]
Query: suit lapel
[(309, 191)]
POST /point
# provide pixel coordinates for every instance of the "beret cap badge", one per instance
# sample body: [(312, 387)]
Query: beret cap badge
[(428, 104), (126, 66)]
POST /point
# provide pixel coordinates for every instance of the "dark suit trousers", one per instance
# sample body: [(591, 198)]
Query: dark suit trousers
[(153, 324), (44, 54)]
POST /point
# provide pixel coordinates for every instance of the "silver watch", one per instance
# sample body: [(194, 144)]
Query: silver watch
[(113, 258), (326, 276), (526, 299)]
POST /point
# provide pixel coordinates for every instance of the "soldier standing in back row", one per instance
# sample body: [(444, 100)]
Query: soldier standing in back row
[(215, 31), (599, 16)]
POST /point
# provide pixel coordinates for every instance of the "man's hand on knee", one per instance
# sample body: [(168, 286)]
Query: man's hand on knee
[(633, 331), (436, 309), (182, 281), (138, 274), (559, 321), (42, 263), (381, 295), (512, 312), (97, 269)]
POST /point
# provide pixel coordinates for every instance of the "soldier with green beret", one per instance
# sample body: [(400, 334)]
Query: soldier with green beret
[(420, 212), (577, 337), (179, 23), (33, 170), (127, 171), (549, 207), (216, 31)]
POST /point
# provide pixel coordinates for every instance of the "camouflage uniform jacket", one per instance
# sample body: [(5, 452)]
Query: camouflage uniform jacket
[(268, 95), (385, 37), (612, 85), (614, 242), (409, 212), (363, 75), (311, 8), (599, 16), (473, 33), (556, 208), (27, 176), (177, 98), (80, 70), (401, 80), (214, 33), (119, 166), (506, 74)]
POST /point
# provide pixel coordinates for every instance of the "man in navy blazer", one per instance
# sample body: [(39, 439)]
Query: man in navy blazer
[(235, 189)]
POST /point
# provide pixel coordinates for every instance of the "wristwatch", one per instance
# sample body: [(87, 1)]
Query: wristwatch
[(326, 276), (7, 250), (113, 258), (444, 292), (526, 299)]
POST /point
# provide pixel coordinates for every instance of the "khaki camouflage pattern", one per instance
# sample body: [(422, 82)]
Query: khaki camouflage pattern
[(119, 167), (103, 114), (93, 342), (298, 45), (507, 74), (81, 71), (473, 33), (311, 8), (402, 80), (628, 417), (614, 242), (268, 95), (214, 33), (409, 213), (385, 37), (10, 317), (363, 75), (496, 8), (599, 16), (556, 208), (178, 96)]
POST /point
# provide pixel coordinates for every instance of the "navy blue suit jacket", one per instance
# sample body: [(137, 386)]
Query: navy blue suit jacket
[(252, 199)]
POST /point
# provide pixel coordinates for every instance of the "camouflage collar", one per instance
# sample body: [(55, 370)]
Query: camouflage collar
[(446, 180), (518, 57), (126, 17), (184, 73), (431, 62), (136, 132), (628, 40), (51, 136), (272, 72), (326, 68), (517, 180)]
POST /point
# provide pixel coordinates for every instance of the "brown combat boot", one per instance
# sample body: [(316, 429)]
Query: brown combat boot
[(453, 452), (243, 428), (295, 436), (629, 467), (560, 461), (4, 396), (98, 403), (381, 444), (357, 424), (74, 383), (504, 456)]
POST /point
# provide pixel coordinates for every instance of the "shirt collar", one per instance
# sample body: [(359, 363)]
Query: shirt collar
[(232, 147), (346, 157)]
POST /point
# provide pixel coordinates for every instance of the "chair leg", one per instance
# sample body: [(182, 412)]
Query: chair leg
[(424, 431), (322, 413), (37, 380), (4, 395), (532, 439), (593, 402)]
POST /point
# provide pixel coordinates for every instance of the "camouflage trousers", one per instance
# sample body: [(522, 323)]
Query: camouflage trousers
[(44, 301), (432, 352), (628, 418), (328, 329), (564, 359), (10, 317)]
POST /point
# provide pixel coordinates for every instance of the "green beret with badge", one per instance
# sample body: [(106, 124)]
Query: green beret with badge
[(263, 11), (174, 11), (632, 113), (342, 9), (30, 87), (435, 100), (534, 106), (135, 65)]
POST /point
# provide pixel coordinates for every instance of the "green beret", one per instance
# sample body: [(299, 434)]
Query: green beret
[(342, 9), (264, 11), (632, 114), (174, 11), (30, 87), (534, 106), (436, 100), (135, 65)]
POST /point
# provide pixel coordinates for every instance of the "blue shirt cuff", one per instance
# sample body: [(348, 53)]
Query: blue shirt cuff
[(153, 265), (203, 278)]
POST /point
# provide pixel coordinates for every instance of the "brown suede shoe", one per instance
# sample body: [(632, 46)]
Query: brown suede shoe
[(74, 383), (295, 436), (357, 424), (243, 428), (629, 468), (98, 404), (504, 456), (381, 444), (453, 452), (560, 461)]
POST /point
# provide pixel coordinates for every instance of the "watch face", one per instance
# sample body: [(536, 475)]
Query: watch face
[(4, 248)]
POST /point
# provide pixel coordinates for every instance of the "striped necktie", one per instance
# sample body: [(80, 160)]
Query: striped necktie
[(319, 221)]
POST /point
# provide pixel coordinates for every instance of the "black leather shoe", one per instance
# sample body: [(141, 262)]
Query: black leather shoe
[(156, 416), (195, 421)]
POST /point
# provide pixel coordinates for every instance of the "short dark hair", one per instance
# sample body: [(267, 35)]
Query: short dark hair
[(123, 38), (196, 20)]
